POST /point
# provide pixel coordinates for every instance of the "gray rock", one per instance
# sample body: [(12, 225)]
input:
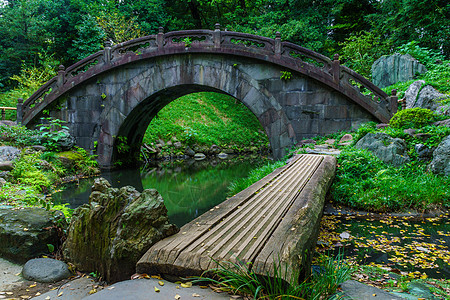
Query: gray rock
[(420, 290), (45, 270), (214, 149), (111, 233), (2, 181), (382, 125), (39, 148), (306, 142), (429, 98), (423, 152), (6, 166), (189, 152), (388, 149), (443, 110), (222, 155), (199, 156), (443, 123), (412, 93), (7, 123), (391, 69), (177, 145), (8, 153), (66, 141), (358, 291), (346, 138), (410, 131), (441, 158), (25, 233)]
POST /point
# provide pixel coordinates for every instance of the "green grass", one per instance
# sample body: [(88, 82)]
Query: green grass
[(255, 175), (238, 278), (206, 119), (365, 182)]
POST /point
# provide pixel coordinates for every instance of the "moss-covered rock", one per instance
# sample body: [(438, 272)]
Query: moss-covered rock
[(111, 233)]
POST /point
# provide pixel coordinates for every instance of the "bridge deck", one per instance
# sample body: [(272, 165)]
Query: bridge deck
[(256, 225)]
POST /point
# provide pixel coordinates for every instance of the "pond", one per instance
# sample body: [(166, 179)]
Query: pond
[(189, 188), (416, 247)]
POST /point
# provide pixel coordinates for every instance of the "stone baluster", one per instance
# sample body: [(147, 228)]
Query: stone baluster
[(393, 102), (336, 68), (61, 74), (216, 36), (277, 44), (160, 38), (107, 52), (19, 111)]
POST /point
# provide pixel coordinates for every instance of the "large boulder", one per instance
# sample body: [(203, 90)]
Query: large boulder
[(25, 233), (441, 158), (391, 69), (113, 231), (388, 149), (425, 96)]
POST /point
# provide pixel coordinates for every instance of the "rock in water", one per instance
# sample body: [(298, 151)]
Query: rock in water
[(45, 270), (388, 149), (113, 231), (391, 69), (441, 158), (25, 233)]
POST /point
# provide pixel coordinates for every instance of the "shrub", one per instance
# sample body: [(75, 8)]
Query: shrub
[(413, 118)]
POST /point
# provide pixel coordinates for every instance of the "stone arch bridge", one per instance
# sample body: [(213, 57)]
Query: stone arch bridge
[(294, 92)]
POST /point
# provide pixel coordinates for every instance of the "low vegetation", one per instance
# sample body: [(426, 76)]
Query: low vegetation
[(37, 172), (241, 280), (207, 119)]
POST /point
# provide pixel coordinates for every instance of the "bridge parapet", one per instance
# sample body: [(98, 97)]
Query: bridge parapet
[(286, 54)]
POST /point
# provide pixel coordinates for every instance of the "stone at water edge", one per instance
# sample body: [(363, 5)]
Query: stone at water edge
[(222, 155), (199, 156), (45, 270), (111, 233), (388, 149), (25, 233)]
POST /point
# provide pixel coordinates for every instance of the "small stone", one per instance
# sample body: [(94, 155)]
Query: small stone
[(45, 270), (6, 166), (222, 155), (410, 131), (346, 138), (382, 125), (177, 145), (199, 156)]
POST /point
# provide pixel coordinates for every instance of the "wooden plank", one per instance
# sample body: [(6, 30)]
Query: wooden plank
[(250, 226)]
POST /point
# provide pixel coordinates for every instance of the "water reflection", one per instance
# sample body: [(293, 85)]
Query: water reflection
[(189, 188)]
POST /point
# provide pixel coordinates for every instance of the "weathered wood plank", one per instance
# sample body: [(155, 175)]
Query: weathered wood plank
[(259, 225)]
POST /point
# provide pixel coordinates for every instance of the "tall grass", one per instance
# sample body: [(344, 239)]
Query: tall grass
[(240, 279), (255, 175)]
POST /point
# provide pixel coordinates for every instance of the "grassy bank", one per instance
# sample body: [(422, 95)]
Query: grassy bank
[(207, 119)]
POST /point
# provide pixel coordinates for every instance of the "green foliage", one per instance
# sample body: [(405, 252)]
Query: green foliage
[(361, 50), (207, 119), (424, 55), (28, 171), (66, 210), (52, 132), (89, 38), (255, 175), (240, 279), (365, 182), (285, 75), (413, 118), (19, 135)]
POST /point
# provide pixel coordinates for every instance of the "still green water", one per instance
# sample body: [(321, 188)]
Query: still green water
[(189, 188)]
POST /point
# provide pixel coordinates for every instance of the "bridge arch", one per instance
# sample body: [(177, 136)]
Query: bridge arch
[(118, 91)]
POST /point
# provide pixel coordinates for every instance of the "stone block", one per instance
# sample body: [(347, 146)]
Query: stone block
[(303, 127), (336, 112), (333, 125)]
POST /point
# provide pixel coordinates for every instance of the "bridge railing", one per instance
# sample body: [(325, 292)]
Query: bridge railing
[(288, 54)]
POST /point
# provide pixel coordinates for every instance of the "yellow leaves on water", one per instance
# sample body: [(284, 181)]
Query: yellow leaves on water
[(186, 285)]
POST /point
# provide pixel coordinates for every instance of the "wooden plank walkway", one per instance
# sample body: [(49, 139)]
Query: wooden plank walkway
[(276, 219)]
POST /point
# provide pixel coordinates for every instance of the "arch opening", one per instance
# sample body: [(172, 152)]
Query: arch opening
[(196, 118)]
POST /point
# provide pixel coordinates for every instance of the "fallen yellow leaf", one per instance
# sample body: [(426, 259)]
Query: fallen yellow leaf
[(177, 297), (195, 295), (186, 285), (161, 283), (157, 290), (93, 291), (33, 285)]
